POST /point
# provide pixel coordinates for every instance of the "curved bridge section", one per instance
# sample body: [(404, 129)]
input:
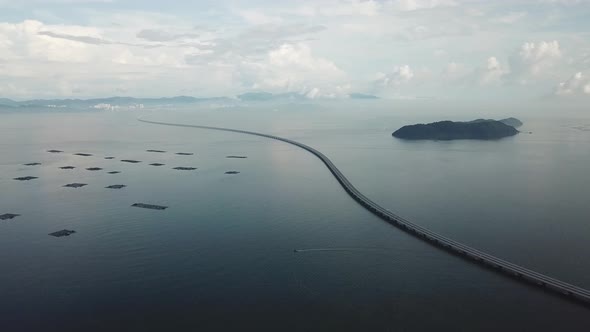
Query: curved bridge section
[(523, 274)]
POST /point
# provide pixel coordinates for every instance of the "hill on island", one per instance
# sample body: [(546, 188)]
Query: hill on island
[(512, 122), (480, 129)]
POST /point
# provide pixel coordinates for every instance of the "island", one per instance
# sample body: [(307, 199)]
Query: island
[(480, 129)]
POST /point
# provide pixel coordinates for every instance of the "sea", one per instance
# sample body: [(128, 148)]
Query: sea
[(281, 246)]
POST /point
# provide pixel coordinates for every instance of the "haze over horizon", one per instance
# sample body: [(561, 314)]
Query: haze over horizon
[(517, 51)]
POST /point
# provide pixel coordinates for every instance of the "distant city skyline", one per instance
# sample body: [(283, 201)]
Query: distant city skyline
[(402, 49)]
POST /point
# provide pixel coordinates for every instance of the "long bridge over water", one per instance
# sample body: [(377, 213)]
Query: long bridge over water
[(515, 271)]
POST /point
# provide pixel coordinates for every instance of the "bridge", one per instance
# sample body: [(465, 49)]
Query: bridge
[(520, 273)]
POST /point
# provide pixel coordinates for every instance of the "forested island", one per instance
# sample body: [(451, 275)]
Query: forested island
[(481, 129)]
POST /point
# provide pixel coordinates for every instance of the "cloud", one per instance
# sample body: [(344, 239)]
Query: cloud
[(493, 72), (291, 67), (255, 42), (254, 16), (335, 8), (577, 84), (400, 75), (534, 60), (316, 47), (411, 5), (510, 18), (81, 39), (155, 35), (456, 72)]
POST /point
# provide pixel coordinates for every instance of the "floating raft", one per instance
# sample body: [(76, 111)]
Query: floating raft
[(185, 168), (184, 153), (236, 157), (232, 172), (157, 164), (33, 164), (130, 161), (116, 186), (114, 172), (54, 151), (149, 206), (67, 167), (94, 169), (8, 216), (156, 151), (63, 232), (75, 185), (82, 154), (26, 178)]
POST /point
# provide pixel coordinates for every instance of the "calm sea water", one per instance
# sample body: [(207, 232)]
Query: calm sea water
[(222, 256)]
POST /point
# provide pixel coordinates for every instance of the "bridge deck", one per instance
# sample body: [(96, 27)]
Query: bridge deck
[(500, 265)]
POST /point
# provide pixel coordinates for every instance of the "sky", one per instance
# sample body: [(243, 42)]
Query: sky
[(399, 49)]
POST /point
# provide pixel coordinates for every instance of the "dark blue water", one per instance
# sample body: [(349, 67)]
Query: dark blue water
[(222, 255)]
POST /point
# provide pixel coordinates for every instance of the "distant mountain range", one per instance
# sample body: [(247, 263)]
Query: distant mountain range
[(118, 101), (130, 102)]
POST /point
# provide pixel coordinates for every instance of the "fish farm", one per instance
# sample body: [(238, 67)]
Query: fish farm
[(149, 206), (185, 168), (75, 185), (64, 232), (8, 216), (26, 178), (116, 186)]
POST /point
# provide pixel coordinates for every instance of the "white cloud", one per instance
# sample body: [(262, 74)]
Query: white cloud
[(337, 8), (533, 57), (254, 16), (410, 5), (493, 71), (510, 18), (456, 72), (293, 67), (316, 47), (399, 75), (575, 85)]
